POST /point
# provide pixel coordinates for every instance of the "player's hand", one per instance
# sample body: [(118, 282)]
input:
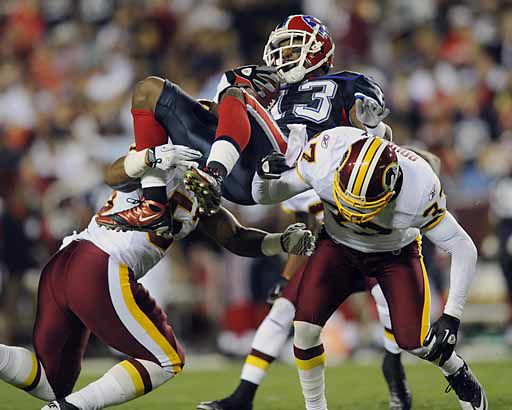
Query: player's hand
[(297, 240), (442, 338), (167, 156), (369, 111), (277, 290), (272, 166), (263, 80)]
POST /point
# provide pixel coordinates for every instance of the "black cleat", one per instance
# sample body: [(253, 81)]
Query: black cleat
[(60, 405), (400, 397), (224, 404), (470, 393)]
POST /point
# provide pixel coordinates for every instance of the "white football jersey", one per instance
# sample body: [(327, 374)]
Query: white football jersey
[(140, 251), (307, 202), (419, 205)]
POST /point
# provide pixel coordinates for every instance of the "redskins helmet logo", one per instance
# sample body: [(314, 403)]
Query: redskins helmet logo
[(390, 176)]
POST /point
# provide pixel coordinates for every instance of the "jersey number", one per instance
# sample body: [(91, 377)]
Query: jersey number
[(319, 109)]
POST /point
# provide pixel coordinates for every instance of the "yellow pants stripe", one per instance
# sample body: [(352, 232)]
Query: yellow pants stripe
[(425, 316), (135, 376), (311, 363), (145, 322), (257, 362), (33, 373)]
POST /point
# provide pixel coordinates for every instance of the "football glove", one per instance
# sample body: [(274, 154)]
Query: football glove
[(442, 338), (263, 80), (369, 111), (272, 166), (277, 290), (167, 156), (297, 240)]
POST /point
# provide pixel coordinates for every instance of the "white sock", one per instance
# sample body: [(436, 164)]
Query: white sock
[(153, 177), (453, 364), (20, 367), (311, 370), (224, 152), (121, 383), (385, 320), (269, 340)]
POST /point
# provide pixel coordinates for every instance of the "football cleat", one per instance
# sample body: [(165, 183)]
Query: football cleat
[(206, 184), (224, 404), (469, 391), (400, 397), (148, 216), (60, 405)]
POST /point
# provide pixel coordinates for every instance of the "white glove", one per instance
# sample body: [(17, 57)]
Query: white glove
[(167, 156), (369, 111), (297, 240)]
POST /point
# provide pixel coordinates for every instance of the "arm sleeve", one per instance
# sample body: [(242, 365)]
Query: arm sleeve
[(271, 191), (452, 238)]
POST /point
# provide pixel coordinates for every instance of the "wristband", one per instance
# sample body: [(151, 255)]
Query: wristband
[(271, 244), (135, 163), (379, 130)]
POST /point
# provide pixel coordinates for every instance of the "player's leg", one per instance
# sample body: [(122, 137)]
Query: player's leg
[(400, 397), (120, 312), (328, 279), (59, 341), (404, 283), (160, 109), (258, 134)]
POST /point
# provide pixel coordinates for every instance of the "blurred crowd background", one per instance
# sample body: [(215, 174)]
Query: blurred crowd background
[(67, 68)]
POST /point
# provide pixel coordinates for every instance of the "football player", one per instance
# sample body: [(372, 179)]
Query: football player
[(90, 286), (273, 332), (378, 199), (239, 127)]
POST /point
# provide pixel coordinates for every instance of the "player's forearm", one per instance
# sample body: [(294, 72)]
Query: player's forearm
[(116, 177), (293, 264), (451, 237), (271, 191)]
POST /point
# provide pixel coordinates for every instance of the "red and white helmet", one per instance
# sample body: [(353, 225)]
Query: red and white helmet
[(310, 36)]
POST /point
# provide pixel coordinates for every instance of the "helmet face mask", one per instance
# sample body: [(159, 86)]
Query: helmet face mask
[(297, 47), (364, 183)]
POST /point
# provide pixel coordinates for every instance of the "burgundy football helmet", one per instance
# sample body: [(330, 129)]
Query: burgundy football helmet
[(365, 181), (298, 46)]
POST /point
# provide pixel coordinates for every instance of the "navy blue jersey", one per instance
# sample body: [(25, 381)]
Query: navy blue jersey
[(323, 102)]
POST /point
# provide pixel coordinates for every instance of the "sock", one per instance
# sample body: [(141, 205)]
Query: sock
[(232, 135), (310, 360), (311, 366), (20, 367), (269, 340), (453, 364), (123, 382), (385, 320), (148, 131), (244, 394), (153, 184)]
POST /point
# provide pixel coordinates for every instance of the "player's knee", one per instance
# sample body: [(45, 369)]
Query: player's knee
[(307, 335), (282, 312), (147, 92), (408, 340), (233, 92)]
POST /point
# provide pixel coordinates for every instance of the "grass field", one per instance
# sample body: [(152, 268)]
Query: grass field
[(349, 387)]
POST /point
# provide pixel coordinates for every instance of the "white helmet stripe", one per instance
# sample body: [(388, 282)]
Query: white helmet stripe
[(359, 161), (371, 168)]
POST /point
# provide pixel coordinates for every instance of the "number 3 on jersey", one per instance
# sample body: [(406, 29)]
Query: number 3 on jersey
[(319, 105), (319, 109)]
